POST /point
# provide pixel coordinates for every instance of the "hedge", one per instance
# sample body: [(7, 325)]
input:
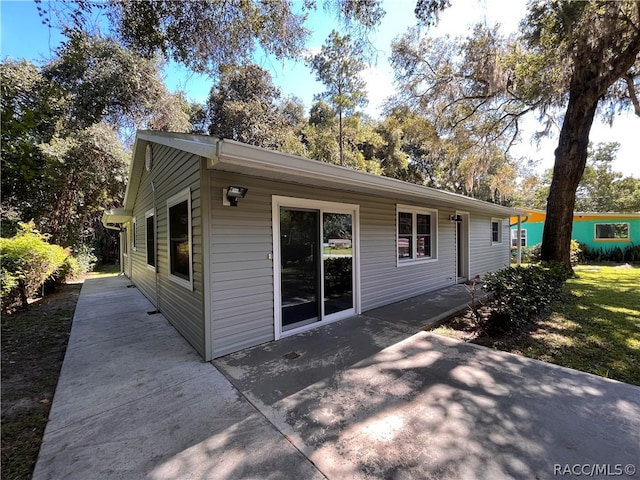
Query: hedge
[(27, 260)]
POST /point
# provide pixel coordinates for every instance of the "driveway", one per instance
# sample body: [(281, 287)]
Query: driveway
[(361, 400)]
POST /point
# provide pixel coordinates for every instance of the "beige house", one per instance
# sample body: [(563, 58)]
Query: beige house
[(237, 245)]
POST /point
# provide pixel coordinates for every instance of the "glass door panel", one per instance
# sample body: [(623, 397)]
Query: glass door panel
[(300, 269), (337, 258)]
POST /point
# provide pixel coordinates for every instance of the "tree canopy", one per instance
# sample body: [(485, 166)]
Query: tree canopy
[(66, 128), (207, 34), (601, 188), (338, 66), (452, 124), (245, 105), (573, 59)]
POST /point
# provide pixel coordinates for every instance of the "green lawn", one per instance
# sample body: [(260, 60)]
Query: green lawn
[(337, 251), (105, 271), (596, 329)]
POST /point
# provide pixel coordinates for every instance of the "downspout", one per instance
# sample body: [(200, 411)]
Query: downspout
[(519, 262), (122, 237), (519, 238)]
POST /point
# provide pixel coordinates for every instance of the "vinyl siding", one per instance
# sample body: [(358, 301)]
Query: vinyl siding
[(173, 171), (241, 272), (241, 241), (485, 255)]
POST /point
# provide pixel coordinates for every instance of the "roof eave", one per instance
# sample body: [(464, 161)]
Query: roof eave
[(116, 216), (243, 156)]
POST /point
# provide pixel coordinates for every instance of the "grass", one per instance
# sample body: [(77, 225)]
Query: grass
[(105, 271), (596, 330), (337, 251), (34, 342)]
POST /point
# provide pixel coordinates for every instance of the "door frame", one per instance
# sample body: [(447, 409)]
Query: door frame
[(322, 206), (463, 247)]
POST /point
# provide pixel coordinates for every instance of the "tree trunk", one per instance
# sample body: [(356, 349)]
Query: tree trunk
[(570, 161), (340, 137)]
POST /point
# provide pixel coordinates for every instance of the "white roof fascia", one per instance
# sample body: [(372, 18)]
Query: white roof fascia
[(605, 214), (243, 155), (202, 145)]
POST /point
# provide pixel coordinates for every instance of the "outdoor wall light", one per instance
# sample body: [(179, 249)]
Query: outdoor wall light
[(234, 193), (455, 218)]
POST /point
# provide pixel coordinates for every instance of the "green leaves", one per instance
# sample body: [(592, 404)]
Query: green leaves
[(521, 292), (245, 105), (338, 66), (27, 261)]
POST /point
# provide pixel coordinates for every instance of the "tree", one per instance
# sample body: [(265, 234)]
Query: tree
[(598, 45), (105, 82), (207, 34), (363, 144), (31, 108), (574, 57), (600, 189), (84, 173), (595, 192), (459, 130), (337, 66), (64, 129), (245, 105)]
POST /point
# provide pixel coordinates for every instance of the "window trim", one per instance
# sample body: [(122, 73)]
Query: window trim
[(417, 210), (499, 221), (134, 235), (625, 239), (150, 214), (182, 196), (514, 237), (124, 239)]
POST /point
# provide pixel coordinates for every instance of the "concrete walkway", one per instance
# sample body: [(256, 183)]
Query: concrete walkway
[(364, 398), (134, 401)]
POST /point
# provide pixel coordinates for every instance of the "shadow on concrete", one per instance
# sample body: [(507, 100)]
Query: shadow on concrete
[(363, 401), (134, 401)]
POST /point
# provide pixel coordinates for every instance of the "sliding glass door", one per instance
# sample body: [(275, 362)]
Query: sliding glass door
[(337, 260), (300, 267), (316, 252)]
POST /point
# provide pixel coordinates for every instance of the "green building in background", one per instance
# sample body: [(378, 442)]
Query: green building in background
[(598, 231)]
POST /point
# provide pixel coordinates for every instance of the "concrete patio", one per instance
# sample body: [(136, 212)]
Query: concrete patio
[(366, 397)]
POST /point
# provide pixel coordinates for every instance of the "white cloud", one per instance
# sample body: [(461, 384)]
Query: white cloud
[(379, 88)]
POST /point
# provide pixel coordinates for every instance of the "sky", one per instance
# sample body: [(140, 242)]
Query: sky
[(24, 36)]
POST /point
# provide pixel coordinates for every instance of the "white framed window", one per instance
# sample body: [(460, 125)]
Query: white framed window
[(612, 231), (124, 238), (496, 230), (179, 239), (150, 235), (134, 235), (523, 237), (416, 234)]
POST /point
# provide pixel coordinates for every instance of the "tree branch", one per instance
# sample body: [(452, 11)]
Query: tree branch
[(632, 92)]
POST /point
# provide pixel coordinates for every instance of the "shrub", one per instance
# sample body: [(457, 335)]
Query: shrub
[(520, 292), (630, 254), (69, 270), (29, 260), (532, 254), (337, 273), (9, 284), (575, 252), (85, 257), (526, 254)]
